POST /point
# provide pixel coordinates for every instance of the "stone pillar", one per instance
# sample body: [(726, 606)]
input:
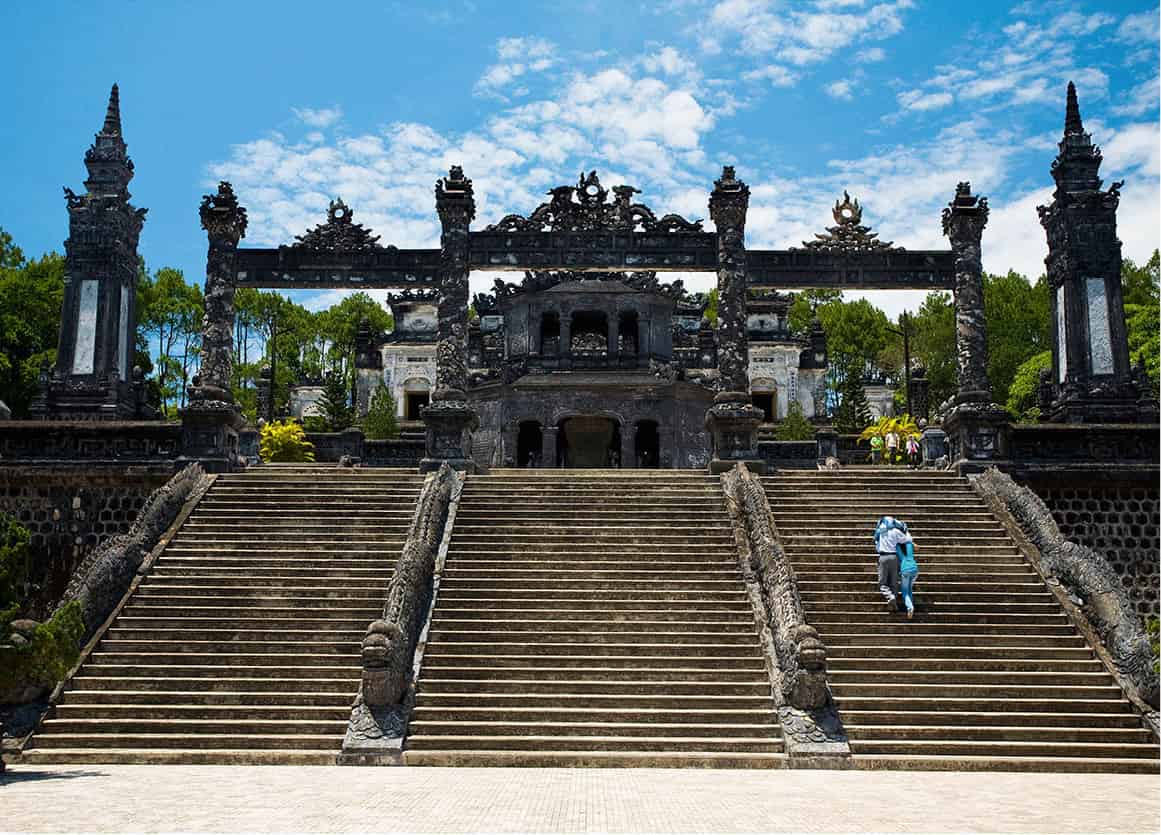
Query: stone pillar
[(628, 447), (732, 421), (449, 416), (933, 442), (827, 441), (265, 391), (548, 447), (1092, 380), (565, 335), (976, 427), (211, 421), (614, 329), (963, 223)]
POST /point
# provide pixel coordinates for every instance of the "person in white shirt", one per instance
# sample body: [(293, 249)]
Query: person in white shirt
[(889, 533)]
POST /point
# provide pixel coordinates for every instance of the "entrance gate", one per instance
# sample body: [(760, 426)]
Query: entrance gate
[(580, 228)]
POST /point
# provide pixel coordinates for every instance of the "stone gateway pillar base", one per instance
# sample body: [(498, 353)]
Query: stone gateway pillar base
[(449, 418), (733, 423), (977, 436), (209, 435)]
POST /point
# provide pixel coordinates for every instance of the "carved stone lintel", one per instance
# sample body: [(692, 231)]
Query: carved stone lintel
[(963, 223), (585, 207)]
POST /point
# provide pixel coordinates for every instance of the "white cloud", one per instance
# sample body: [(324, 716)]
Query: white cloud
[(918, 100), (322, 118), (518, 57), (871, 55), (669, 61), (1142, 99), (841, 89), (776, 75), (1142, 27)]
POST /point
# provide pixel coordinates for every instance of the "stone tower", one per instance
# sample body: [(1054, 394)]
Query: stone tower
[(94, 377), (1091, 378)]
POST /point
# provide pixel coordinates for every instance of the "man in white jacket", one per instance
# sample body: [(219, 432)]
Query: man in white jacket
[(889, 533)]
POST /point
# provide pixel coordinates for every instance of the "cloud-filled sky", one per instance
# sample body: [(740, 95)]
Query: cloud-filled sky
[(893, 100)]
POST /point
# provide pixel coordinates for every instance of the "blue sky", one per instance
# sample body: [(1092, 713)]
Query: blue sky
[(296, 103)]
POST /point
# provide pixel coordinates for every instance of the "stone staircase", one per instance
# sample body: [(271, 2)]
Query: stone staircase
[(242, 645), (592, 617), (990, 674)]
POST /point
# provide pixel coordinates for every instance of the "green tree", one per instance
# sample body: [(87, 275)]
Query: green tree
[(853, 412), (795, 427), (31, 294), (1143, 314), (334, 403), (1023, 394), (711, 310), (933, 345), (802, 309), (1018, 322), (381, 422)]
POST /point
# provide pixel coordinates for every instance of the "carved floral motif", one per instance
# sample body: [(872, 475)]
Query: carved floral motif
[(849, 234), (339, 234)]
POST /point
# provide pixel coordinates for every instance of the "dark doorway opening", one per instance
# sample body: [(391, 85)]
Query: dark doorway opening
[(529, 441), (589, 332), (550, 334), (765, 402), (630, 335), (589, 443), (648, 445), (413, 401)]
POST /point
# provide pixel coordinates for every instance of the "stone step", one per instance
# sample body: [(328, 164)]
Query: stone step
[(673, 601), (163, 578), (813, 588), (180, 756), (592, 701), (607, 593), (999, 690), (973, 719), (907, 634), (517, 564), (572, 685), (346, 616), (195, 725), (936, 762), (465, 571), (993, 703), (576, 534), (926, 665), (946, 747), (280, 660), (211, 680), (597, 644), (460, 656), (154, 713), (931, 607), (906, 729), (50, 738), (929, 676), (595, 759), (155, 646), (330, 705), (609, 743), (516, 635), (224, 597), (526, 625), (953, 618), (225, 569), (582, 580), (566, 669), (485, 728), (906, 653), (581, 713), (288, 637), (386, 552)]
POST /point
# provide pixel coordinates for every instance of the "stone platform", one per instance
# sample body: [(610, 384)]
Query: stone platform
[(110, 798)]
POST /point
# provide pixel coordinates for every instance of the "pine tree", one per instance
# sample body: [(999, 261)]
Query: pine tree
[(334, 404), (380, 421), (853, 412), (795, 427)]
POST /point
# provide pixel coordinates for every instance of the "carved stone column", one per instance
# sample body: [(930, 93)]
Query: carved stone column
[(963, 223), (733, 420), (548, 448), (1092, 380), (211, 421), (977, 428), (450, 417)]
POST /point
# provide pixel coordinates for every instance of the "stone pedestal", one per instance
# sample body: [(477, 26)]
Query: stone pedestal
[(827, 440), (449, 418), (733, 423), (977, 436), (209, 435), (933, 442)]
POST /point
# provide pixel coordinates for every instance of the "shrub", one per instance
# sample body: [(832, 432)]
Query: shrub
[(795, 427), (14, 539), (285, 442), (47, 656), (380, 421)]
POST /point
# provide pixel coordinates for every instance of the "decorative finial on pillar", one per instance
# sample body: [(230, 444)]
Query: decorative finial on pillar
[(1072, 122), (112, 125)]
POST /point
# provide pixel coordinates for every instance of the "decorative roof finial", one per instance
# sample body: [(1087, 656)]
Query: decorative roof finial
[(1072, 122), (113, 114)]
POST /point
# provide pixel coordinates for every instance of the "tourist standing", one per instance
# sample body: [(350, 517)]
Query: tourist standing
[(889, 533), (876, 449), (908, 571), (912, 451), (892, 446)]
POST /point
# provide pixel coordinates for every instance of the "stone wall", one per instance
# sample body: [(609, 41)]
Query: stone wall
[(1118, 519), (70, 509)]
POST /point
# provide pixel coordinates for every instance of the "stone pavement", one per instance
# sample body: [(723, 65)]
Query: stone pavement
[(333, 799)]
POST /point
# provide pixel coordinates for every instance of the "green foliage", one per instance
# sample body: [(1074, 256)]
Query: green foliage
[(31, 294), (1018, 321), (933, 346), (711, 311), (334, 404), (1143, 314), (853, 412), (169, 317), (1023, 393), (795, 427), (284, 442), (380, 421), (315, 423), (802, 309), (14, 539), (51, 651)]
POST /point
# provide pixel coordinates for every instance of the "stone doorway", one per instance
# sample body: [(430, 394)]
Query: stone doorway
[(647, 443), (764, 400), (413, 401), (586, 442), (529, 441)]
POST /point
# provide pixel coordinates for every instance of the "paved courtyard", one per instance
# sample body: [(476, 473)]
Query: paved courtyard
[(333, 799)]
